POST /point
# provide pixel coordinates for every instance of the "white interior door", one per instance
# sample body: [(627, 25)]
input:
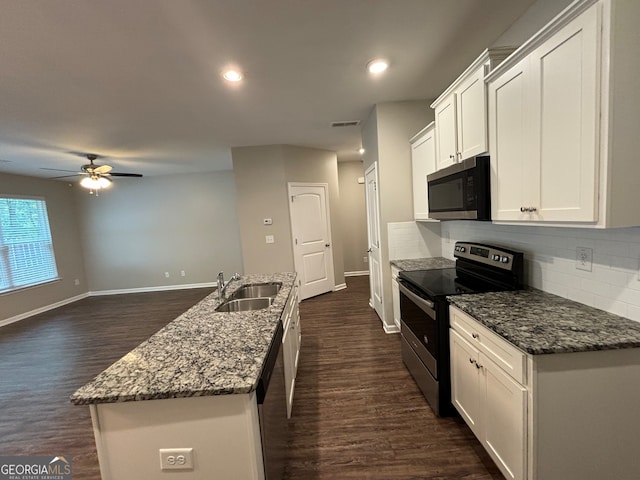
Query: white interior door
[(310, 227), (373, 224)]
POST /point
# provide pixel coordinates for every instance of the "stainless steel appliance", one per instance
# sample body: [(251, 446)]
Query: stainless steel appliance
[(424, 311), (272, 410), (461, 191)]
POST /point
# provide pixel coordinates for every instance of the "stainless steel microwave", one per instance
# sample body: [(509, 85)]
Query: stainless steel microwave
[(461, 191)]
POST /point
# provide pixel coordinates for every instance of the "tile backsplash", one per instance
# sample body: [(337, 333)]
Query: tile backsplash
[(414, 240), (552, 256)]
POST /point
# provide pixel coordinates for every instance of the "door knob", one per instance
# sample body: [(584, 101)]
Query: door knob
[(369, 250), (327, 245)]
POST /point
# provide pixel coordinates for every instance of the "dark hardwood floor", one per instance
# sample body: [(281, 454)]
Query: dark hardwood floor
[(357, 412), (45, 358)]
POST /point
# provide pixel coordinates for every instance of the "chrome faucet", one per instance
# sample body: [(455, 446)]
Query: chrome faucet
[(222, 286)]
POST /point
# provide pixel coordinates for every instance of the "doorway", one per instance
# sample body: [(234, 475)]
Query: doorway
[(311, 237), (373, 229)]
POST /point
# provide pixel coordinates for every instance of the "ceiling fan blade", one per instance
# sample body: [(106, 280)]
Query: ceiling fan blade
[(56, 169), (102, 169), (116, 174), (66, 176)]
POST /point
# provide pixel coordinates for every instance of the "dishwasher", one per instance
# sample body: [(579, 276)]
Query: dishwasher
[(272, 410)]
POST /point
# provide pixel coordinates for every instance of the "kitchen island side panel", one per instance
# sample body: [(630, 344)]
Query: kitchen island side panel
[(585, 415), (223, 431)]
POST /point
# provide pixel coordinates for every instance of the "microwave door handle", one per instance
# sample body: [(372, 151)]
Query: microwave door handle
[(424, 304)]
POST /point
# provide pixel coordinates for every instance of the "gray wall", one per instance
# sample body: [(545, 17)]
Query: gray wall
[(142, 228), (532, 20), (66, 243), (353, 216), (261, 175), (385, 137)]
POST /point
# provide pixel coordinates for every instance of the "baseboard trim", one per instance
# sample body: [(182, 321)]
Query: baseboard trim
[(98, 293), (161, 288), (46, 308), (391, 328), (356, 274), (341, 286)]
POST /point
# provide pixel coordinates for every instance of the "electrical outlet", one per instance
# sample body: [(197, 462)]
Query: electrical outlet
[(584, 258), (267, 221), (166, 274), (182, 274), (447, 237), (269, 239), (76, 282), (176, 458), (365, 259)]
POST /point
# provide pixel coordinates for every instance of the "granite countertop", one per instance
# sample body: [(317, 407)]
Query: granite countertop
[(202, 352), (539, 322), (432, 263)]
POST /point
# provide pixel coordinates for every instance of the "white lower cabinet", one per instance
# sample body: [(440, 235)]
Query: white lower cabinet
[(492, 403), (291, 340), (556, 416)]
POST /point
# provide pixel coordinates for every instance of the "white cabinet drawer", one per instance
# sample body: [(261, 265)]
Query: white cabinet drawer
[(505, 355)]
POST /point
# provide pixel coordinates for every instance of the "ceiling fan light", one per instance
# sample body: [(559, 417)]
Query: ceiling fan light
[(104, 182), (90, 183)]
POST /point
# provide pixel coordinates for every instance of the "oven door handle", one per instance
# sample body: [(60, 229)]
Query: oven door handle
[(423, 303)]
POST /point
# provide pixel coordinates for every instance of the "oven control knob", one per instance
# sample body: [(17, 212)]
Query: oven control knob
[(504, 259), (462, 249), (495, 258), (457, 249)]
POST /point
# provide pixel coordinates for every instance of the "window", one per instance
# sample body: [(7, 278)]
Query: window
[(26, 250)]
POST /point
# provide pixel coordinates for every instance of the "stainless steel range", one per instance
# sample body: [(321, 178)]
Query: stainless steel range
[(424, 311)]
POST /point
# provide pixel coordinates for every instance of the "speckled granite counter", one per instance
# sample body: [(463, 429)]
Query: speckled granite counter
[(202, 352), (539, 322), (433, 263)]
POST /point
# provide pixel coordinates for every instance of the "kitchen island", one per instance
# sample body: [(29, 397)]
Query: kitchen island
[(192, 385), (549, 386)]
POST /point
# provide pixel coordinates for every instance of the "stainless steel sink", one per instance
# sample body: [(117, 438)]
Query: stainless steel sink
[(257, 290), (245, 304)]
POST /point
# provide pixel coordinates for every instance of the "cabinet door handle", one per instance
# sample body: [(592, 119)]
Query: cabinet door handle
[(475, 335), (471, 361), (528, 209), (452, 156), (478, 366), (327, 245)]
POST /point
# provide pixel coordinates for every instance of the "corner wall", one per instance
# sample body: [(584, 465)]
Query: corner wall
[(63, 221), (385, 137), (261, 176)]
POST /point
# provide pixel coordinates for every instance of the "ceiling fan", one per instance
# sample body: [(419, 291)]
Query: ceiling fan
[(97, 177)]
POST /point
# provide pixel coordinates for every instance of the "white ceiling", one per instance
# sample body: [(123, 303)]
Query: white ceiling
[(138, 81)]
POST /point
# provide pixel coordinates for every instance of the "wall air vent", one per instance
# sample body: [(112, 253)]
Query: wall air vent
[(348, 123)]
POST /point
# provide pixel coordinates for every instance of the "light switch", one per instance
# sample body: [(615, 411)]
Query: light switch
[(267, 221), (269, 239)]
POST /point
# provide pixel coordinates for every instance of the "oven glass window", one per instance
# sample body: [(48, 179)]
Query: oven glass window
[(447, 195)]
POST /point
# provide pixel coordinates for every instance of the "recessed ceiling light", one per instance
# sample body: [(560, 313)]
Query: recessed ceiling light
[(361, 150), (378, 65), (232, 75)]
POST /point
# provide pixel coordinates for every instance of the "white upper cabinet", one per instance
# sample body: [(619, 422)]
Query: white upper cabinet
[(560, 143), (461, 112), (544, 124), (423, 162), (447, 147)]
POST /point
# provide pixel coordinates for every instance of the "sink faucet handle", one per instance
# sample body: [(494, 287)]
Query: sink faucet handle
[(235, 276)]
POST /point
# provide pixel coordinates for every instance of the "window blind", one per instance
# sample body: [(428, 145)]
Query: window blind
[(26, 249)]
